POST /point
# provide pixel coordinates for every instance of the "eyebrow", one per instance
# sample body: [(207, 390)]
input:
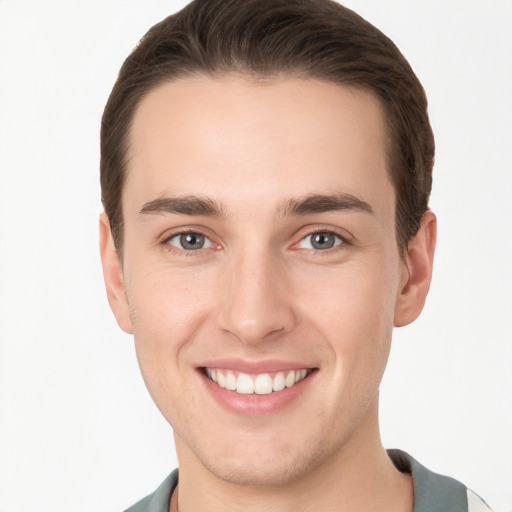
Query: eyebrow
[(321, 203), (184, 205), (207, 207)]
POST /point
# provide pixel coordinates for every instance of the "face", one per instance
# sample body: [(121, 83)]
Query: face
[(260, 275)]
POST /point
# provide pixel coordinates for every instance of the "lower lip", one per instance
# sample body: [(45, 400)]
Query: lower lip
[(256, 405)]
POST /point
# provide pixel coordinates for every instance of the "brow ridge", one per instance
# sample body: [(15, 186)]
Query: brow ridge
[(320, 203), (205, 206), (184, 205)]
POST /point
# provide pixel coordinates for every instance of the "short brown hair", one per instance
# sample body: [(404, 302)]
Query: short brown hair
[(269, 38)]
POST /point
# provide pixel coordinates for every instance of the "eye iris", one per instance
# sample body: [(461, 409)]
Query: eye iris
[(322, 240), (192, 241)]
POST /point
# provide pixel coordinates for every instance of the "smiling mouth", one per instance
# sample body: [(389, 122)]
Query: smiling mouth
[(261, 384)]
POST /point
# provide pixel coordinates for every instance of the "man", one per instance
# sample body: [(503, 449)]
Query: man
[(266, 168)]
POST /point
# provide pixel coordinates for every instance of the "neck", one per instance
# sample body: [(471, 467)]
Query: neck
[(358, 477)]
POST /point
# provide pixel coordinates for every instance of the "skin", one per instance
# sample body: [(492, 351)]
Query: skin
[(258, 290)]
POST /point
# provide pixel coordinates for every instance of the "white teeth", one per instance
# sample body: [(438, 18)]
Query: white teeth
[(262, 384), (221, 379), (278, 383), (245, 384), (230, 381), (290, 379)]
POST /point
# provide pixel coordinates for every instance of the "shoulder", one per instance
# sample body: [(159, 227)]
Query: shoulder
[(436, 492), (160, 499)]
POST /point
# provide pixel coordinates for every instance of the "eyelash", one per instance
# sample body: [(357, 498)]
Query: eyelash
[(344, 241)]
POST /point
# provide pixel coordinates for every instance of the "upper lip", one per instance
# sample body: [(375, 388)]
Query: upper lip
[(254, 366)]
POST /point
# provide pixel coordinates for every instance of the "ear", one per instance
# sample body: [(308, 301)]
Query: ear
[(113, 276), (417, 271)]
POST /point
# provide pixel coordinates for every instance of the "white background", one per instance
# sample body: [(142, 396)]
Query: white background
[(78, 431)]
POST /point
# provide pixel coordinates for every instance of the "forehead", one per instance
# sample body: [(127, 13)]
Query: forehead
[(242, 140)]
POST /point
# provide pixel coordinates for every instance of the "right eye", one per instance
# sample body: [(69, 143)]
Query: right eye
[(189, 241)]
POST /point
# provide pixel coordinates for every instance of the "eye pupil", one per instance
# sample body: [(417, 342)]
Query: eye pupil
[(322, 240), (192, 241)]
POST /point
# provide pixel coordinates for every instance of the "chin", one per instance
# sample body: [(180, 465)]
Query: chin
[(266, 470)]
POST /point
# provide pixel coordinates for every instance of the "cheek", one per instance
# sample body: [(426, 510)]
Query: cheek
[(356, 299), (353, 307), (167, 308), (165, 299)]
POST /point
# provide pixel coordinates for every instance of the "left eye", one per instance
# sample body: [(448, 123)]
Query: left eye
[(321, 240), (190, 241)]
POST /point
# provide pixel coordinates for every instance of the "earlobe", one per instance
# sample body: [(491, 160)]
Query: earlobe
[(417, 271), (113, 276)]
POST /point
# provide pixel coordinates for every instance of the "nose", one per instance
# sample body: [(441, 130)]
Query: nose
[(256, 303)]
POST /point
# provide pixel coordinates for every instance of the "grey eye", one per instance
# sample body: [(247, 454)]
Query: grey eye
[(321, 240), (190, 241)]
